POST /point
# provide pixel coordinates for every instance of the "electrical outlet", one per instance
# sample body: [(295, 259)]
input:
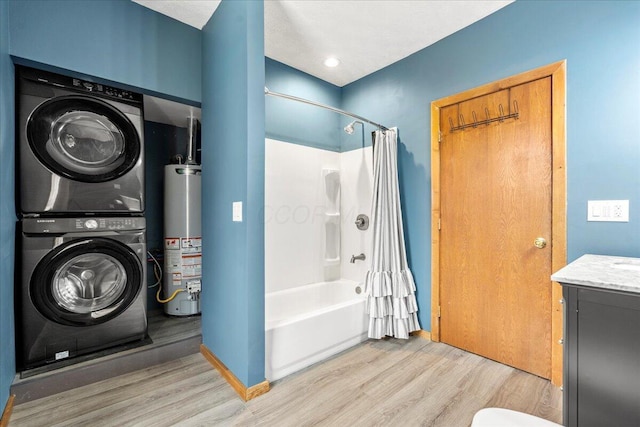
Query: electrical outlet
[(608, 210)]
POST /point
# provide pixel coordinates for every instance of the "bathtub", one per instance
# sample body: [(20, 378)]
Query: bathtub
[(307, 324)]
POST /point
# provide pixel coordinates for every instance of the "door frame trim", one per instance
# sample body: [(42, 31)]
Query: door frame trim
[(557, 72)]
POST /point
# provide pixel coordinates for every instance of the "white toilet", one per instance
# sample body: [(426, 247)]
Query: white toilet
[(498, 417)]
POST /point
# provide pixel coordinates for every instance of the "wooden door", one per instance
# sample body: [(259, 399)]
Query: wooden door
[(495, 201)]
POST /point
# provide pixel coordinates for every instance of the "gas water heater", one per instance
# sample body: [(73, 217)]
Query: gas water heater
[(183, 234)]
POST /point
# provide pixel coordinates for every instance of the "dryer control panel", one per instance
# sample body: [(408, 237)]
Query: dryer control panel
[(78, 85), (70, 225)]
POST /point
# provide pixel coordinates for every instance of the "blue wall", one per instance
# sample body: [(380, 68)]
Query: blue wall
[(7, 210), (601, 42), (116, 40), (299, 123), (233, 130)]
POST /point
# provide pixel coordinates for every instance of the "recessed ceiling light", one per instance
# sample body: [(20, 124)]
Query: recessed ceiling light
[(331, 62)]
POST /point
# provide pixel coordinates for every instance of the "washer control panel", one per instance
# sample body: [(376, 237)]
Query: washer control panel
[(70, 225)]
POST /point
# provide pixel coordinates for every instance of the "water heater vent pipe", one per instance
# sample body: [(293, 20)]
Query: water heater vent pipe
[(191, 143)]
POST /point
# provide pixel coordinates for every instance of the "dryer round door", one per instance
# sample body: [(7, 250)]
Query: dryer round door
[(83, 139), (86, 282)]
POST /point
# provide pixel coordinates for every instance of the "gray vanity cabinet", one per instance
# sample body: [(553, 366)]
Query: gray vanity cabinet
[(601, 358)]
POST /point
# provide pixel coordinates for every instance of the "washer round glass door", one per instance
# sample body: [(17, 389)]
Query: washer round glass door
[(86, 282), (83, 138)]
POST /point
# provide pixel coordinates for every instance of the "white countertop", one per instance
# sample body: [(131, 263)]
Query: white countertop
[(602, 272)]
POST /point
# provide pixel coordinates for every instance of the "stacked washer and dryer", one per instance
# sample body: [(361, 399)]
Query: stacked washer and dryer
[(81, 273)]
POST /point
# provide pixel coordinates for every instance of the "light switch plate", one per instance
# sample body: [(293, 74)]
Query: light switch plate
[(237, 211), (608, 210)]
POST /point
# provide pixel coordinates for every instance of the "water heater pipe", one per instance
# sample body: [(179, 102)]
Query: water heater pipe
[(191, 143)]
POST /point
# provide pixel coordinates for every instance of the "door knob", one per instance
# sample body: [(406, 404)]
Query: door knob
[(540, 242)]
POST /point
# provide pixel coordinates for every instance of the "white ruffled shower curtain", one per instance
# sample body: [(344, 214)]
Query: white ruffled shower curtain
[(391, 301)]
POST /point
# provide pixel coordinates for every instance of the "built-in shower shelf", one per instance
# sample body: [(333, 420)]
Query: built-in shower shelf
[(332, 216)]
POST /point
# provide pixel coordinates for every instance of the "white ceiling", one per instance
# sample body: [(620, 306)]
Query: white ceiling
[(365, 35), (193, 12)]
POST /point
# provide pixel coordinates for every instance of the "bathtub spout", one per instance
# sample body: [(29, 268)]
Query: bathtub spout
[(360, 257)]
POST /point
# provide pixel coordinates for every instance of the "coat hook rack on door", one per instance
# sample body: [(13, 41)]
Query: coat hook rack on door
[(501, 118)]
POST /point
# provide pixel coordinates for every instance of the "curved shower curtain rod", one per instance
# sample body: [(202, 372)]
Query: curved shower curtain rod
[(328, 107)]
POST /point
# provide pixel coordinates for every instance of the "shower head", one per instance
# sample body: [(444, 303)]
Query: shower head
[(349, 128)]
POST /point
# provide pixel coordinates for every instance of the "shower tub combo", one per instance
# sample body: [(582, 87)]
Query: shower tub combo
[(307, 324), (314, 303)]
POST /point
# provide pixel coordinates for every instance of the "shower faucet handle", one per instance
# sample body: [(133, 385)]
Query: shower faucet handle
[(362, 222)]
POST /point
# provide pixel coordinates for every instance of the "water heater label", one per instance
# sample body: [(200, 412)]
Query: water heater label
[(176, 279), (191, 244), (173, 261), (172, 243), (191, 266), (183, 258)]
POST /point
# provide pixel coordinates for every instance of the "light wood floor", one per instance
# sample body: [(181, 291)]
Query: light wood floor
[(378, 383)]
